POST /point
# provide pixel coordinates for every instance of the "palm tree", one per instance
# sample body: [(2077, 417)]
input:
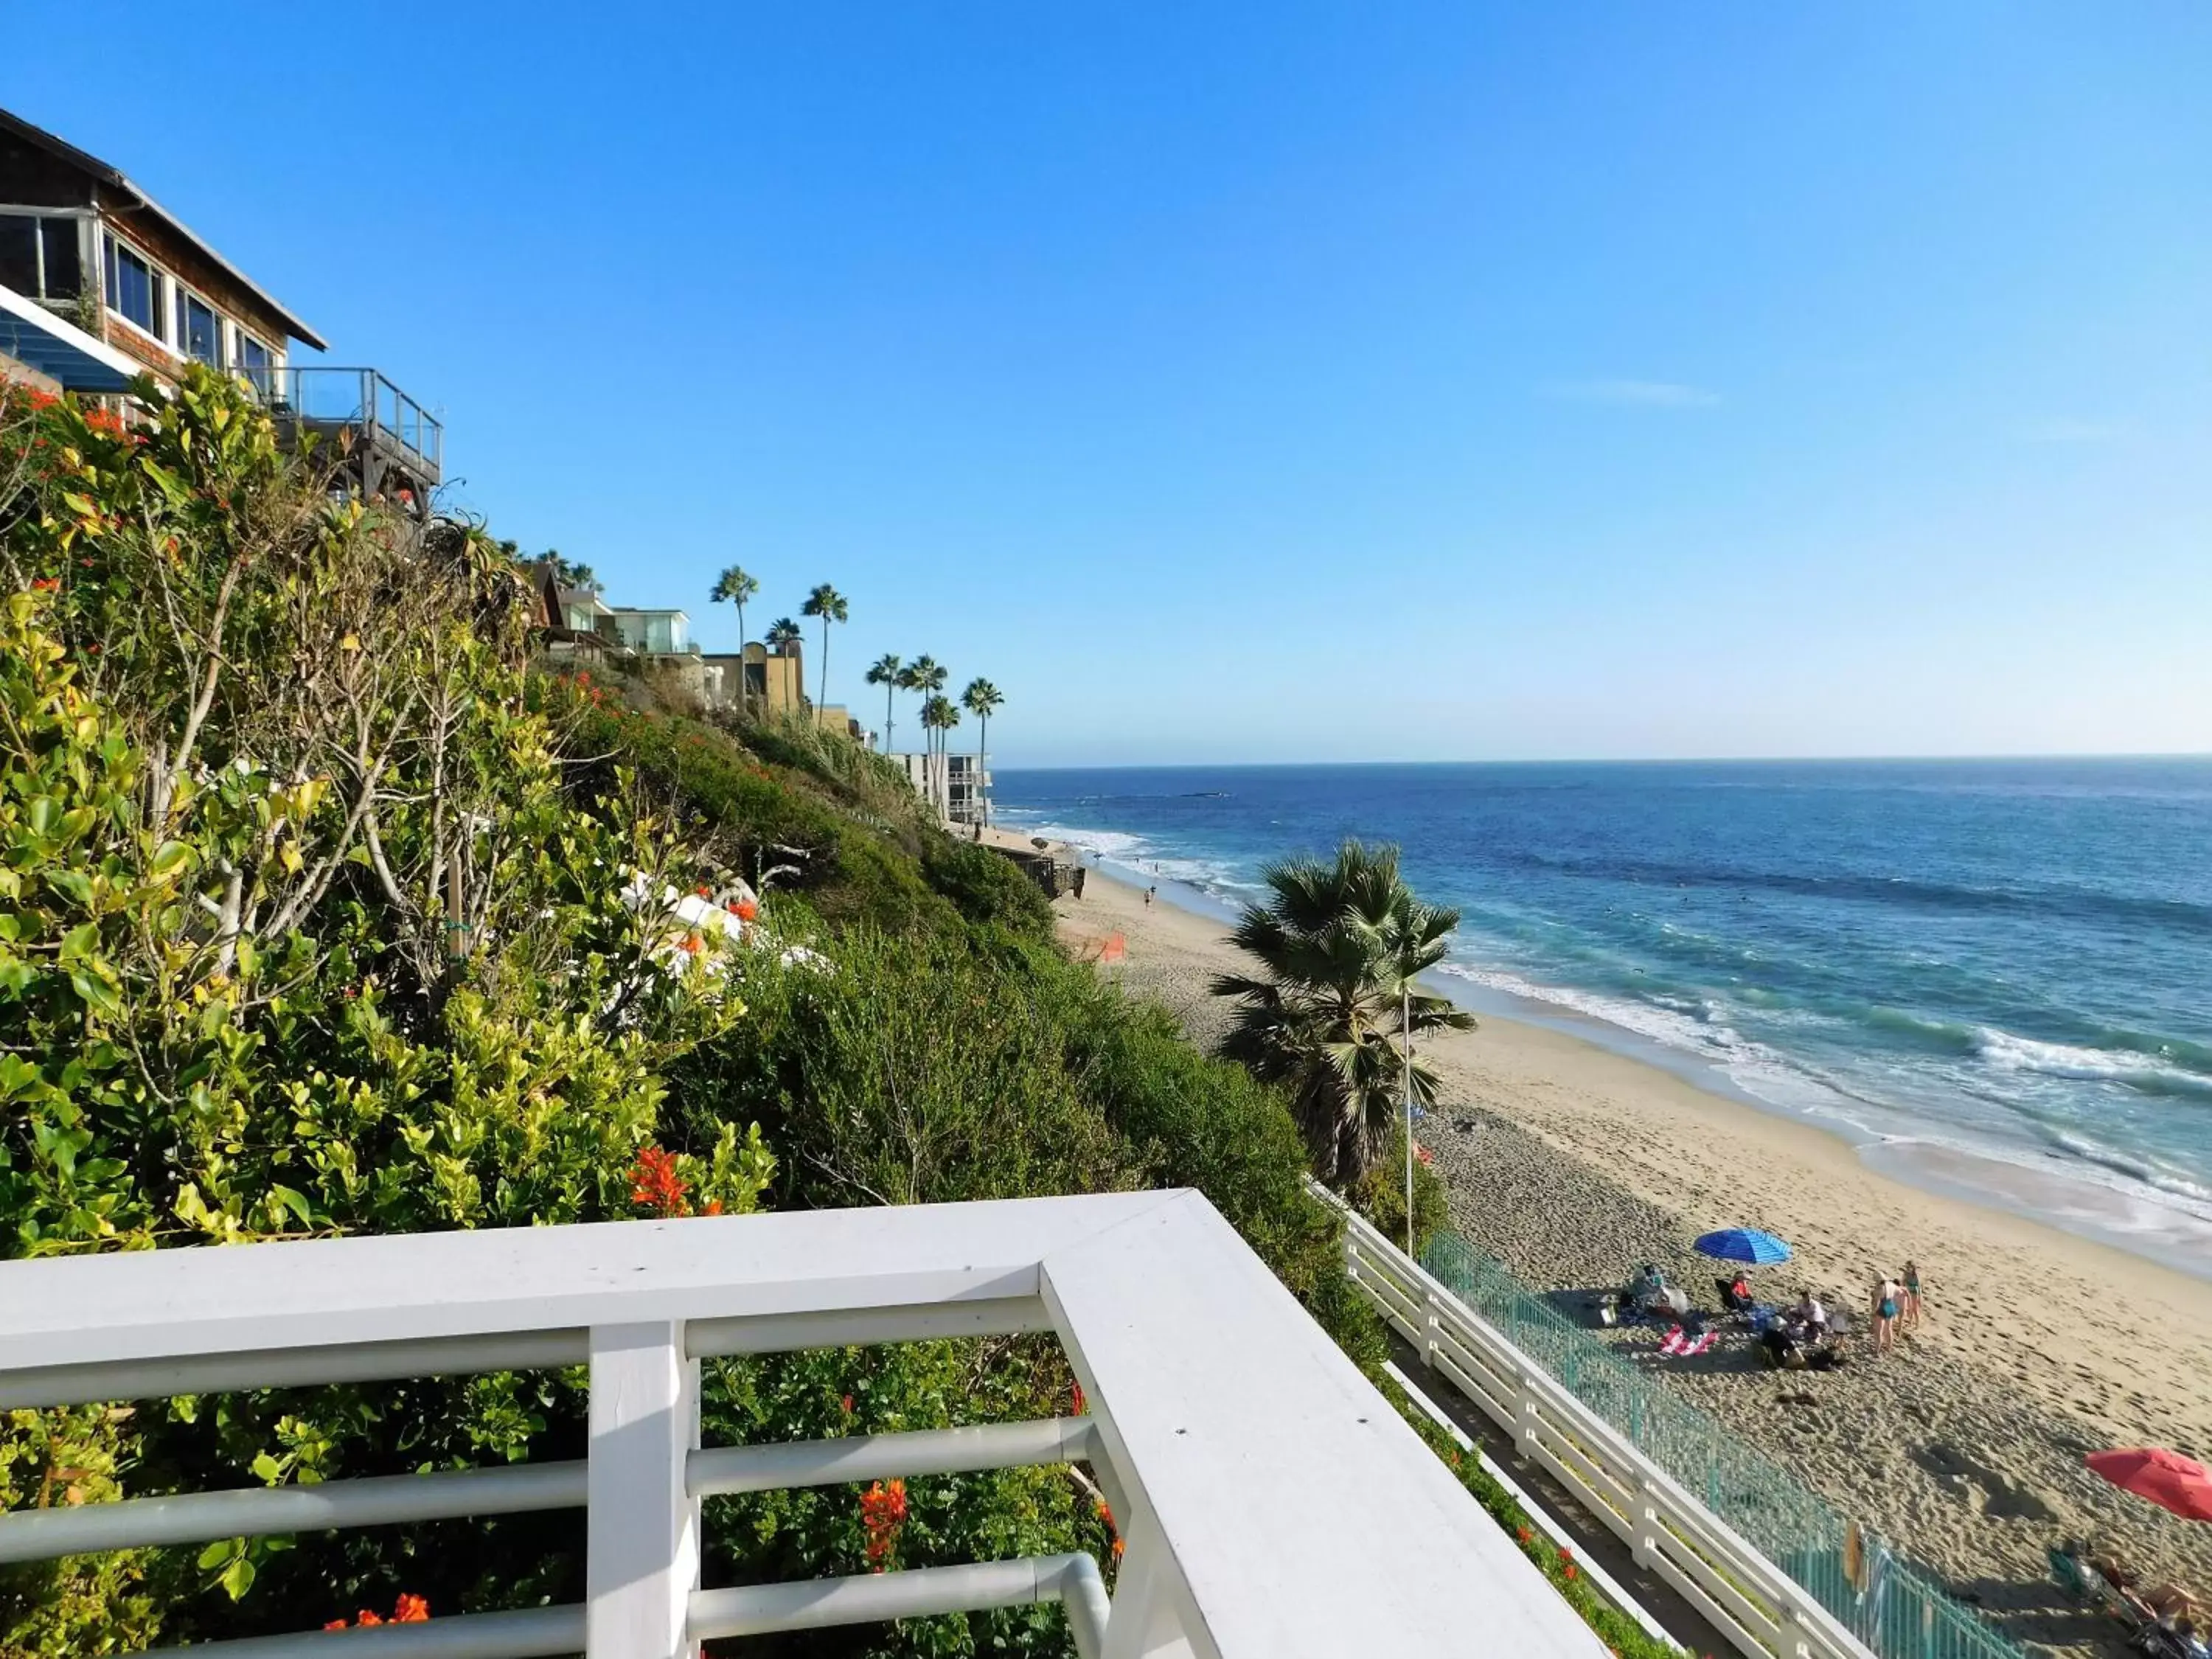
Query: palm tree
[(923, 674), (827, 602), (782, 633), (888, 673), (736, 585), (980, 699), (1341, 943), (940, 714)]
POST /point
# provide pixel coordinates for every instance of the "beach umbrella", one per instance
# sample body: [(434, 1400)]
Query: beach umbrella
[(1744, 1244), (2167, 1479)]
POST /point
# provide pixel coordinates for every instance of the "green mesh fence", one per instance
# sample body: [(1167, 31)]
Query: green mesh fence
[(1901, 1614)]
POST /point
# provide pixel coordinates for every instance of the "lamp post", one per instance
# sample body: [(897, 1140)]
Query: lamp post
[(1405, 1038)]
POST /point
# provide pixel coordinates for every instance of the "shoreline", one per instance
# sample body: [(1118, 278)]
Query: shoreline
[(1572, 1161), (2069, 1200)]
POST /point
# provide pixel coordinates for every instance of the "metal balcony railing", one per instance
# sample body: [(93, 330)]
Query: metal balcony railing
[(1273, 1504), (359, 400)]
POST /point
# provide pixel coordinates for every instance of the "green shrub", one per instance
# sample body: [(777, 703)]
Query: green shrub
[(1380, 1195), (987, 886)]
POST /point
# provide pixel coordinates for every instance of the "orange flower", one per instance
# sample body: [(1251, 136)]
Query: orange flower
[(714, 1207), (339, 1624), (703, 892), (883, 1512), (691, 945), (1077, 1405), (365, 1618), (745, 910), (45, 584), (655, 1184), (411, 1610)]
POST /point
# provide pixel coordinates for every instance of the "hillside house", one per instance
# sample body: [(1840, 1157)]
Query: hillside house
[(99, 282)]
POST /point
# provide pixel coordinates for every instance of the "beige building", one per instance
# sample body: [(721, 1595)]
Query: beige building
[(958, 786)]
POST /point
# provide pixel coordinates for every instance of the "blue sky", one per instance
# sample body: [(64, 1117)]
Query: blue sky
[(1287, 381)]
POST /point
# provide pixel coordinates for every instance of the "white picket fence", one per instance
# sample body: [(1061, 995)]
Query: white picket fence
[(1759, 1608)]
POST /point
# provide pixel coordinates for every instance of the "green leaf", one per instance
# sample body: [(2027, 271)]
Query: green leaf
[(222, 1550), (267, 1470), (169, 858), (295, 1203), (237, 1578), (97, 994), (80, 941)]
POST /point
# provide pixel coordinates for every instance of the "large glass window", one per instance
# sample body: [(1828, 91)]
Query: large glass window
[(18, 253), (199, 331), (252, 354), (38, 256), (65, 262), (134, 287)]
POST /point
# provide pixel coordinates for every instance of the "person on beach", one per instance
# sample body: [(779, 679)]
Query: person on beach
[(1911, 1278), (1149, 891), (1888, 1301), (1810, 1314)]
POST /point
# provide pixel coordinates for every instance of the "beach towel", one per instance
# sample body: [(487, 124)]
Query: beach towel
[(1682, 1345)]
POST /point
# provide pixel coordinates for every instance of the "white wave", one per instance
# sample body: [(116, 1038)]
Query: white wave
[(1115, 844), (1699, 1030), (2004, 1052)]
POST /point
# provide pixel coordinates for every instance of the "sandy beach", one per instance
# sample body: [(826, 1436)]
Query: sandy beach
[(1572, 1163)]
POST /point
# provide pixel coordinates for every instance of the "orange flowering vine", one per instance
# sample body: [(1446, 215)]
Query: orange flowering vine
[(410, 1609), (655, 1184), (883, 1512)]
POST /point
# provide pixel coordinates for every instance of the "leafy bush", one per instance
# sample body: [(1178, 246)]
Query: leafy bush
[(987, 887)]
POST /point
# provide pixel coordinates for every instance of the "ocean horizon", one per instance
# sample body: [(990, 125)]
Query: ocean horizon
[(1993, 975)]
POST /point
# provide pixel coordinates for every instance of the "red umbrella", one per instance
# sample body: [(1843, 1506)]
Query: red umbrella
[(2167, 1479)]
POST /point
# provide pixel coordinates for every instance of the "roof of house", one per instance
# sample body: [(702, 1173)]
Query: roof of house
[(114, 178)]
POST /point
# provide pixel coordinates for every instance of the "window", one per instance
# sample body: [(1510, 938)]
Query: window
[(252, 354), (134, 287), (38, 255), (199, 331)]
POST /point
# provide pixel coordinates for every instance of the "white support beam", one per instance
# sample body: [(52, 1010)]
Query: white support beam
[(642, 1546)]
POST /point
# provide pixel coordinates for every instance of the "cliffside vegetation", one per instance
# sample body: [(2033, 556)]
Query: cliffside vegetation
[(314, 921)]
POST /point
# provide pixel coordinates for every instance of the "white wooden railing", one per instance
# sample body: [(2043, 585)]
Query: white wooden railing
[(1759, 1608), (1272, 1504)]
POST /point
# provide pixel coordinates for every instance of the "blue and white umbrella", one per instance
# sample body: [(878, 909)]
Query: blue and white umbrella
[(1744, 1244)]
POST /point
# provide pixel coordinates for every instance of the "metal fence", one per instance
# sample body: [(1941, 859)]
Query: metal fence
[(1895, 1607)]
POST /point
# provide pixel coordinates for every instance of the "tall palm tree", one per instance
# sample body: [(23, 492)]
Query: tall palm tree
[(827, 602), (887, 672), (736, 585), (940, 714), (782, 635), (980, 699), (1341, 943), (924, 676)]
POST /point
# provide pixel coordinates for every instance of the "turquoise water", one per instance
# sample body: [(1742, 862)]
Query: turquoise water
[(2011, 959)]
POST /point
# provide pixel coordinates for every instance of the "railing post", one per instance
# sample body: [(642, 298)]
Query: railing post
[(1143, 1622), (1525, 1419), (1432, 1329), (1646, 1548), (1789, 1632), (642, 1529)]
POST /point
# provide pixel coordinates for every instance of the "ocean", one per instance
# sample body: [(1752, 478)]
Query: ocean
[(2010, 960)]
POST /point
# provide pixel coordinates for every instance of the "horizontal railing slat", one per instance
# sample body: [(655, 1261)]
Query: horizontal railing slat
[(202, 1518), (721, 1470)]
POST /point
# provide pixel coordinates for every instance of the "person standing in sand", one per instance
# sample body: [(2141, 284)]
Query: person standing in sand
[(1911, 1278), (1888, 1301)]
